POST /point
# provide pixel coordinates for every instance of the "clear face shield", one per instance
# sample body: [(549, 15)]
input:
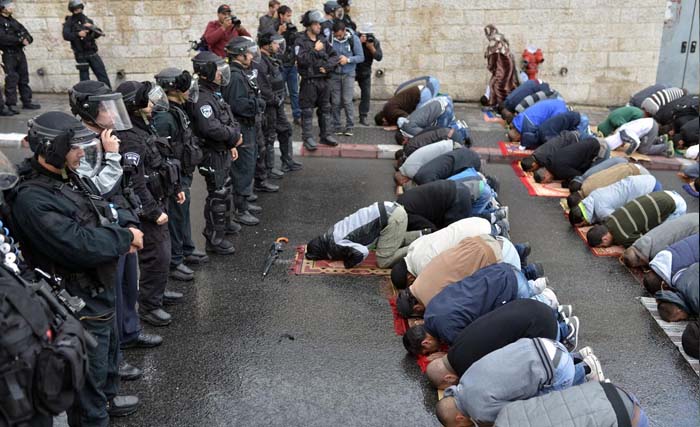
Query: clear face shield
[(158, 98), (281, 45), (255, 51), (8, 173), (193, 91), (225, 71), (111, 112), (91, 162), (339, 13)]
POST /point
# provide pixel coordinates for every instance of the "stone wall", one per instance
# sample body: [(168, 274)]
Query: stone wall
[(610, 47)]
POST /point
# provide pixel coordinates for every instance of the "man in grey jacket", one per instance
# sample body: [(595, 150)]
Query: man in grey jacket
[(592, 403), (659, 238), (527, 368)]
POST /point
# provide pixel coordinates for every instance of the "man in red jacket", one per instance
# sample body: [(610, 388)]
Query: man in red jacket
[(219, 32)]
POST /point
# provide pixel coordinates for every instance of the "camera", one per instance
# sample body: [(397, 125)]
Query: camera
[(234, 19), (370, 37), (291, 28)]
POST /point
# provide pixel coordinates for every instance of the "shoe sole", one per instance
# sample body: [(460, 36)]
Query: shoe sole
[(310, 148), (133, 346), (131, 377), (264, 190), (181, 279), (120, 414), (155, 323)]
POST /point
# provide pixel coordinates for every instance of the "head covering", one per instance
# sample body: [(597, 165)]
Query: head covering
[(497, 42), (224, 8)]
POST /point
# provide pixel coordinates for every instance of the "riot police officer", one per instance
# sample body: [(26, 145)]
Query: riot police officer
[(219, 135), (272, 85), (82, 34), (334, 12), (150, 164), (13, 38), (175, 125), (242, 94), (315, 60), (67, 229)]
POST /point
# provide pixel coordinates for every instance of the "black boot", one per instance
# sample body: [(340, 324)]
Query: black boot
[(324, 118), (243, 216), (215, 212), (307, 118), (287, 151), (266, 187)]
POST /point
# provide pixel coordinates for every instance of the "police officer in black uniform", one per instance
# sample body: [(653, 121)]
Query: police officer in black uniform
[(175, 125), (68, 230), (219, 135), (315, 60), (242, 94), (150, 164), (82, 34), (346, 19), (273, 89), (13, 38), (334, 12)]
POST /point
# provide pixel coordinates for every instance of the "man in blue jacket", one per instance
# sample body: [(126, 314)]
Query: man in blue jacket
[(349, 48), (525, 125)]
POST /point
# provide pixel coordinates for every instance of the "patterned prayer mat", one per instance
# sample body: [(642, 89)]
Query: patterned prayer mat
[(673, 330), (612, 251), (513, 150), (553, 189), (368, 267)]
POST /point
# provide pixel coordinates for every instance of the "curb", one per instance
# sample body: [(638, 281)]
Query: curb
[(488, 154), (11, 140)]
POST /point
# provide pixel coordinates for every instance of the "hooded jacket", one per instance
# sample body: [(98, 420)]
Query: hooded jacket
[(518, 371), (573, 160), (603, 201), (687, 291), (351, 48), (528, 87), (425, 116), (424, 155), (400, 105), (425, 138), (553, 126), (460, 303), (543, 154), (529, 120), (619, 117), (670, 262), (447, 164)]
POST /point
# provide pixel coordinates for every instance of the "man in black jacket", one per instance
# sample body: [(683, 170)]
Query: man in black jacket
[(315, 59), (151, 167), (373, 52), (82, 34), (543, 154), (13, 38), (66, 228), (272, 86), (175, 125), (242, 94), (436, 205), (219, 135), (572, 161)]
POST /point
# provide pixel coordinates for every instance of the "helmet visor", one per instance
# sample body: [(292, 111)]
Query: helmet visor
[(225, 71), (158, 98), (8, 173), (111, 112), (281, 44), (91, 162), (339, 13), (255, 51), (193, 91)]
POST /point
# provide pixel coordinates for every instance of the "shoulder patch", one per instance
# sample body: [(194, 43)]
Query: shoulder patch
[(206, 110), (132, 159)]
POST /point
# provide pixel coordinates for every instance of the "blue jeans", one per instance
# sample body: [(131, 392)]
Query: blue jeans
[(526, 288), (565, 373), (291, 76)]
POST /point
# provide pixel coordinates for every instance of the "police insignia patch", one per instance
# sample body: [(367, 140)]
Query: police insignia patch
[(206, 111), (132, 158)]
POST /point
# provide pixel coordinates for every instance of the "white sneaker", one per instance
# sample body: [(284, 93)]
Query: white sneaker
[(596, 369), (549, 294), (565, 310), (585, 352), (571, 340), (540, 284)]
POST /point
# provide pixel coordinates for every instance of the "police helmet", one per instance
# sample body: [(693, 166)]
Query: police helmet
[(75, 4), (311, 16)]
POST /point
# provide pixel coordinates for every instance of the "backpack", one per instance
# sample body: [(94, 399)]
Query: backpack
[(43, 360)]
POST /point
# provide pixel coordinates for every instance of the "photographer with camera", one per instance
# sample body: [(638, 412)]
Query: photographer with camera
[(13, 38), (270, 21), (373, 52), (65, 227), (222, 30), (82, 33)]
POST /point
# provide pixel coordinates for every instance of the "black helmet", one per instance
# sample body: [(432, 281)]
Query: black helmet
[(330, 6), (137, 95), (206, 63), (345, 3), (89, 98), (75, 4), (44, 129), (174, 79), (5, 3), (311, 16), (241, 45)]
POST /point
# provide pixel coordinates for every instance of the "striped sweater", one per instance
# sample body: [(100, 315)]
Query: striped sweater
[(661, 98), (637, 217)]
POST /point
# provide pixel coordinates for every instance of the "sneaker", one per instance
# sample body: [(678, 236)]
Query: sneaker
[(585, 352), (534, 271), (571, 340), (540, 284), (499, 214), (275, 173), (596, 369), (551, 297), (503, 228), (339, 132), (330, 141), (30, 106), (291, 166), (310, 144), (363, 121), (348, 132), (565, 310)]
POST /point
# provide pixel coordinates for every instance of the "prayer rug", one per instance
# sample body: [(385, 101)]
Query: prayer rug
[(368, 267), (513, 150), (612, 251), (553, 189), (490, 116), (672, 330)]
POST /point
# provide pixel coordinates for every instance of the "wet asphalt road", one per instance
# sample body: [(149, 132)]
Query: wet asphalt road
[(321, 351)]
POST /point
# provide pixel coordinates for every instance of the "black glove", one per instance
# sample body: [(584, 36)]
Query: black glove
[(56, 151)]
